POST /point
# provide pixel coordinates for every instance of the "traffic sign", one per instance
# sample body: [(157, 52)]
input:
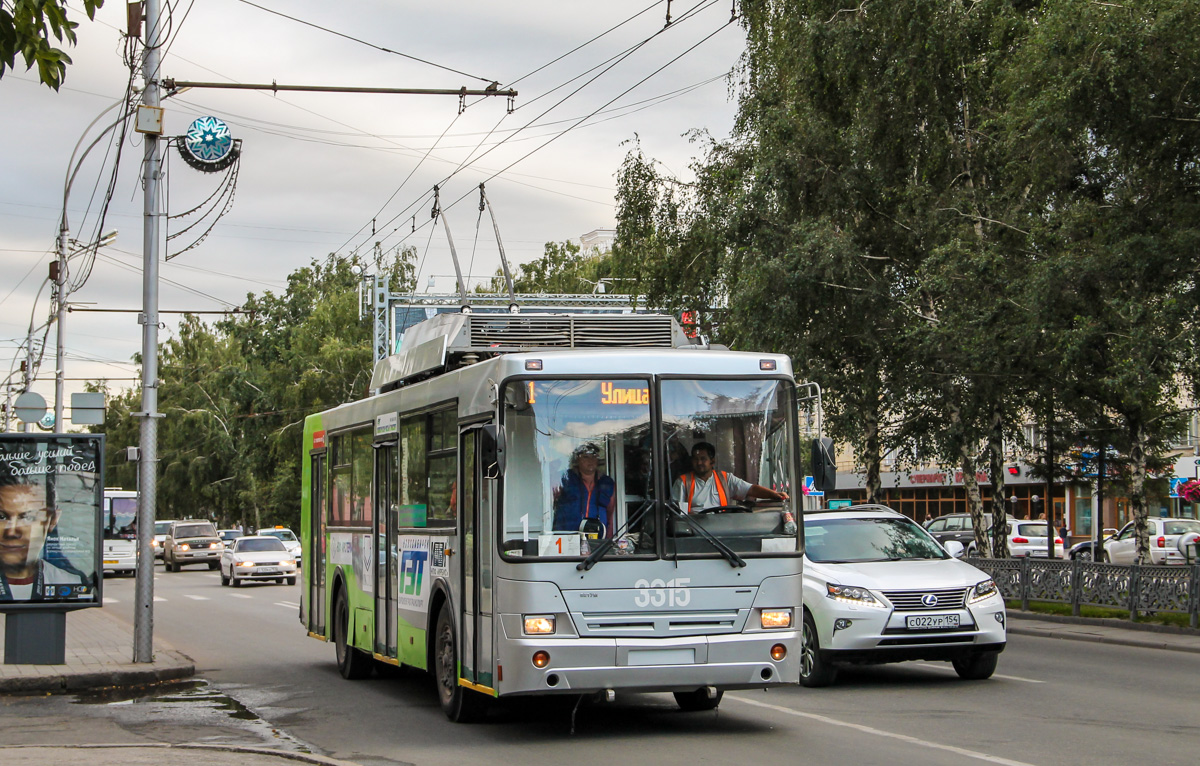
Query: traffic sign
[(29, 407), (810, 489)]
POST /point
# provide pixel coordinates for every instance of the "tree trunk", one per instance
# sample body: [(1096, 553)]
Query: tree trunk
[(974, 499), (999, 546), (871, 456), (1137, 487)]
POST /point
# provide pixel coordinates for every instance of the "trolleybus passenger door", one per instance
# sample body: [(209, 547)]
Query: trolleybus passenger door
[(314, 558), (476, 585), (386, 555)]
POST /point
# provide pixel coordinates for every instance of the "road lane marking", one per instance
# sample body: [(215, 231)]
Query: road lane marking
[(195, 598), (239, 595), (994, 675), (288, 604), (882, 733), (159, 598), (108, 600)]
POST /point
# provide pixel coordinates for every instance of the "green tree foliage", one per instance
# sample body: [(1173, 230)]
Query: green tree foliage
[(235, 394), (562, 269), (956, 216), (26, 27)]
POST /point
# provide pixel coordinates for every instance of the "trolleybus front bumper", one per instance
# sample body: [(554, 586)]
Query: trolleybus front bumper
[(575, 665)]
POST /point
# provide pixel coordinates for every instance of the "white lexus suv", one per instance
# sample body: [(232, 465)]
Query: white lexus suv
[(878, 588)]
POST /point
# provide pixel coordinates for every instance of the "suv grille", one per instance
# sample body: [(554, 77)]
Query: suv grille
[(914, 600)]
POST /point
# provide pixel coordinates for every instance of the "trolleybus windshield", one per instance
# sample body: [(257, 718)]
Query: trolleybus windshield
[(581, 466)]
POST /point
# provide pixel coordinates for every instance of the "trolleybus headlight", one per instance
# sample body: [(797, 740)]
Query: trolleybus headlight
[(776, 618), (539, 624), (541, 659), (778, 652)]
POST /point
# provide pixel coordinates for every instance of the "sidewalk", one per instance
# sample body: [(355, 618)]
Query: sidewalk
[(1104, 631), (156, 755), (99, 653)]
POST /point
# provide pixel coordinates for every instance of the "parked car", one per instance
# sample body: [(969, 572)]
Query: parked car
[(1164, 537), (191, 541), (878, 588), (958, 527), (287, 536), (228, 536), (161, 528), (257, 557), (1028, 538), (1083, 550)]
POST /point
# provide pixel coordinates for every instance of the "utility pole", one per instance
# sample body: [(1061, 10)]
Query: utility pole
[(58, 273), (143, 618)]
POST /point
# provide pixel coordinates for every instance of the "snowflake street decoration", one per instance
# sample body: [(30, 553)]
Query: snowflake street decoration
[(208, 145)]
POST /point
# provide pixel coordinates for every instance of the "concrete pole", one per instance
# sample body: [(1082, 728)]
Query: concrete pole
[(143, 625), (60, 296)]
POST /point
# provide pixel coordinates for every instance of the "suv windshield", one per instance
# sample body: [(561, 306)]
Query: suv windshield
[(840, 541), (195, 530), (580, 466), (162, 527)]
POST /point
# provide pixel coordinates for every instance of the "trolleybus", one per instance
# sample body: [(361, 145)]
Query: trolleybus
[(433, 514)]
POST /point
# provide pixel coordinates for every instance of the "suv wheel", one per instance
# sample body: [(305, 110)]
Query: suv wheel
[(814, 671), (977, 666)]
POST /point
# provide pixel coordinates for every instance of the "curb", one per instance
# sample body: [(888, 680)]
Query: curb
[(1098, 639), (58, 678), (261, 751)]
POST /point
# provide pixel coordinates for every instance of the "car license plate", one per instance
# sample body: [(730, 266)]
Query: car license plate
[(108, 561), (931, 621), (1041, 553), (266, 571)]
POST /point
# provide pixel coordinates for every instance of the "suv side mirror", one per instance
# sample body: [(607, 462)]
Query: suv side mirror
[(824, 468), (491, 451)]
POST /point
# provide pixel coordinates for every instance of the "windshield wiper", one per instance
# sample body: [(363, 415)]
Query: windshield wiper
[(609, 542), (729, 554)]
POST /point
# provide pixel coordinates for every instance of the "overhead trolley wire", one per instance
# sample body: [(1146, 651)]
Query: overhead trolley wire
[(608, 66), (364, 42)]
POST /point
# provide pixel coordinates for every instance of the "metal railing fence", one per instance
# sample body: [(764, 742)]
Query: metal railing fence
[(1137, 588)]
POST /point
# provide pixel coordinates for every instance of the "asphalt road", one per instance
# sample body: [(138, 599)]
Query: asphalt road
[(1052, 702)]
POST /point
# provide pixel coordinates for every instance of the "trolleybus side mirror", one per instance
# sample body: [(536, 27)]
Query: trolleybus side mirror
[(491, 452), (824, 468)]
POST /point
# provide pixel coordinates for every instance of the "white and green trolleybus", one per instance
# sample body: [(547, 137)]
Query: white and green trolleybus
[(436, 535)]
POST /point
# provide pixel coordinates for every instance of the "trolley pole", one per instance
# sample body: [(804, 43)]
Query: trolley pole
[(143, 622)]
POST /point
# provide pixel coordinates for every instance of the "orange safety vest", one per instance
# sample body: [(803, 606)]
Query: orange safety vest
[(690, 480)]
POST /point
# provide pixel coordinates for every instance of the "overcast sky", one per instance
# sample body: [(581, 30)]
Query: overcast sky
[(318, 169)]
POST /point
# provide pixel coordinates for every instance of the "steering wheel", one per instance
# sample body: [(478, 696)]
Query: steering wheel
[(725, 509)]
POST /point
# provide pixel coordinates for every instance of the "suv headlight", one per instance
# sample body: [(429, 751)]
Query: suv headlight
[(985, 589), (852, 594)]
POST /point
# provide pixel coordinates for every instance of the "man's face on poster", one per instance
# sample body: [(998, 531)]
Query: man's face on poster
[(24, 523)]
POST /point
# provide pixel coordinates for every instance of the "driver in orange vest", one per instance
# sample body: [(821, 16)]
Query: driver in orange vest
[(706, 487)]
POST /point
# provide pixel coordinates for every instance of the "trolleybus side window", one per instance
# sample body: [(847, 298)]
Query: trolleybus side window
[(428, 469), (351, 460)]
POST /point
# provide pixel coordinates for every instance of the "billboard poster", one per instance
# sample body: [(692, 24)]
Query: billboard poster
[(50, 495)]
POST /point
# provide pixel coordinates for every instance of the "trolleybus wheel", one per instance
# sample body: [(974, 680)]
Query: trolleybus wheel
[(352, 663), (697, 700), (460, 704), (814, 671)]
